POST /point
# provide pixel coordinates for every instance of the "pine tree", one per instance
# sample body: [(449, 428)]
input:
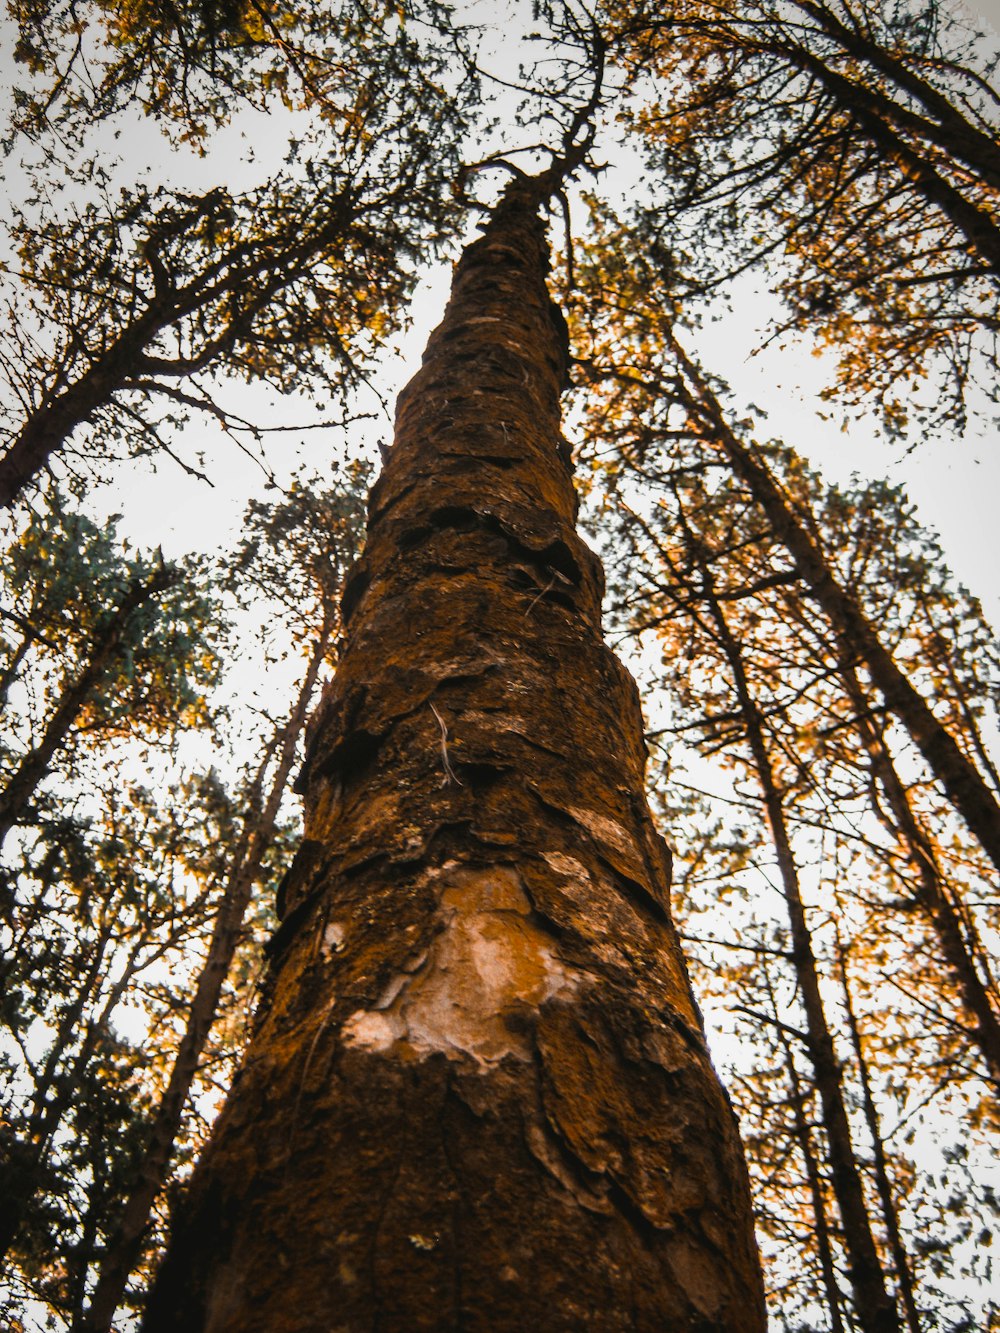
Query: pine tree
[(478, 1094)]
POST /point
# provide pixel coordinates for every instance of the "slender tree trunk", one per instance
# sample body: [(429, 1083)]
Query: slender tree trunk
[(9, 673), (974, 222), (24, 1156), (963, 783), (900, 1259), (885, 124), (478, 1097), (254, 272), (46, 429), (932, 891), (972, 727), (125, 1243), (21, 785), (799, 1098), (804, 1138), (874, 1306)]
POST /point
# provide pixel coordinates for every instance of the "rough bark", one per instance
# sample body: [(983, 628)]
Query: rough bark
[(963, 784), (478, 1096)]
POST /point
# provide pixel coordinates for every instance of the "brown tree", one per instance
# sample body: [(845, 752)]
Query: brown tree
[(875, 1308), (478, 1095), (652, 391), (967, 789), (128, 310), (16, 792), (850, 151)]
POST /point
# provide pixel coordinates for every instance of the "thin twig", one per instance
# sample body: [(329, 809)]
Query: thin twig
[(449, 773)]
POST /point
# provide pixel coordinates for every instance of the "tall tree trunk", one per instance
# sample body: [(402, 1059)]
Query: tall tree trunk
[(882, 121), (900, 1259), (803, 1135), (23, 1155), (874, 1306), (478, 1096), (799, 1098), (22, 783), (253, 273), (932, 891), (125, 1243), (943, 124), (963, 783)]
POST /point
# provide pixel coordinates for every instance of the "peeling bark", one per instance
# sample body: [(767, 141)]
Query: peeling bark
[(478, 1096)]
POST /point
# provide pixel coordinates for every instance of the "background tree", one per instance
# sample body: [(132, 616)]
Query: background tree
[(105, 646), (122, 904), (853, 148), (133, 301), (657, 390), (758, 678), (295, 553), (288, 574)]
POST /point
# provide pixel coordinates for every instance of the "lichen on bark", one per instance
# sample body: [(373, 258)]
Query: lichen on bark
[(478, 1095)]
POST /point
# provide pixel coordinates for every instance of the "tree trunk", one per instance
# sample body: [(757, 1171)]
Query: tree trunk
[(803, 1135), (874, 1306), (22, 1155), (932, 891), (125, 1243), (46, 429), (478, 1096), (981, 233), (900, 1259), (943, 124), (22, 783), (962, 782)]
